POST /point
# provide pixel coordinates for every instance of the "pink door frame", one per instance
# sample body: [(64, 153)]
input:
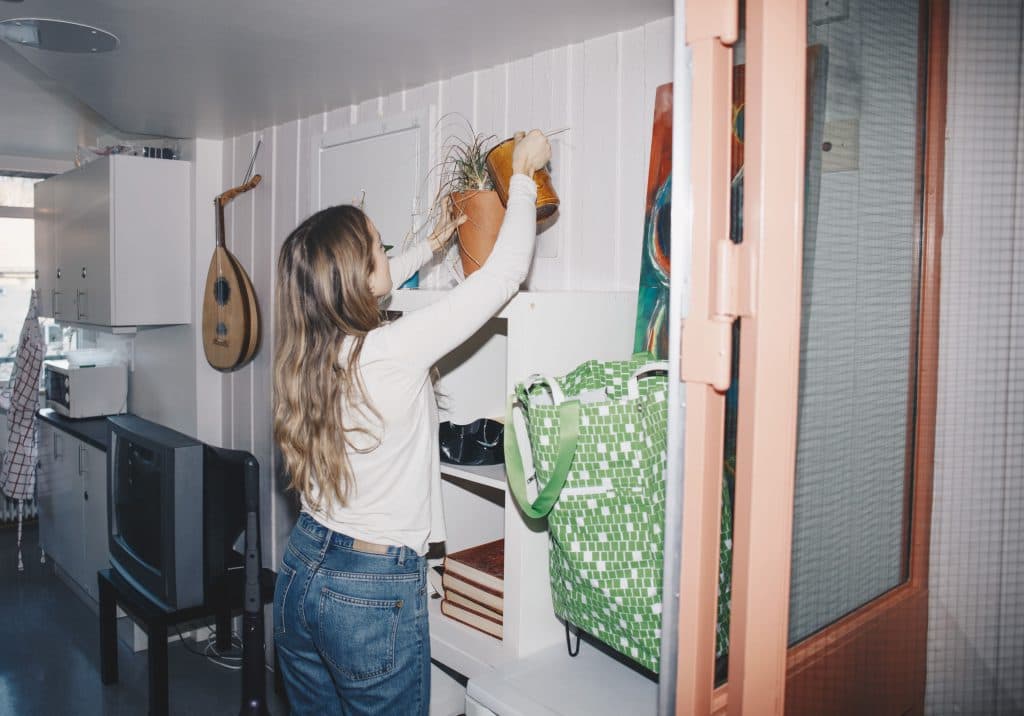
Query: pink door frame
[(760, 281)]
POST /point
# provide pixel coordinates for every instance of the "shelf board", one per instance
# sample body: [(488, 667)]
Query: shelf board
[(464, 649), (488, 475)]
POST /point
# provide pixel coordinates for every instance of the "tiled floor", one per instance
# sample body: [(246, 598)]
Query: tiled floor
[(49, 653)]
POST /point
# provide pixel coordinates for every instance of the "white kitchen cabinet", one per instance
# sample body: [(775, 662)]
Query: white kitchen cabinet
[(72, 499), (95, 531), (112, 243), (45, 248), (59, 500), (536, 332)]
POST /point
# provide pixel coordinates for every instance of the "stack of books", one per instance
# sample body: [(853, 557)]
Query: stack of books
[(473, 582)]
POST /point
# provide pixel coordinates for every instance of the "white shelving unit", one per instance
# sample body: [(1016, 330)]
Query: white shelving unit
[(536, 332)]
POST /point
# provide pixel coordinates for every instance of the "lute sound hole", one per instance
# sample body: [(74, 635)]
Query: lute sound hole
[(221, 292)]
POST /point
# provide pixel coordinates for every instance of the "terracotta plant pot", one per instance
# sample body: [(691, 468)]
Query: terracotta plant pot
[(477, 235)]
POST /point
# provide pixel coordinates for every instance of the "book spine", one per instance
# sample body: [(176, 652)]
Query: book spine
[(473, 592), (481, 624), (477, 577), (465, 602)]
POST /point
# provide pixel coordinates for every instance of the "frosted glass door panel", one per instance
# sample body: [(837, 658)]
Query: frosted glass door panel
[(859, 312)]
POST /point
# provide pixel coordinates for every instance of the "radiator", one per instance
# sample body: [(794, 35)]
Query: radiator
[(9, 510)]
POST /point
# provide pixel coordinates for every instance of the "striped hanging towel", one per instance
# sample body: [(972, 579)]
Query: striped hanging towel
[(18, 474)]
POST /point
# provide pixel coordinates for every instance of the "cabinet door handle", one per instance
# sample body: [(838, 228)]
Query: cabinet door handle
[(57, 446), (56, 304), (82, 462), (82, 300)]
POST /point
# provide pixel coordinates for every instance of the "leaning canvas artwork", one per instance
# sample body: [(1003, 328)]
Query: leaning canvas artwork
[(652, 306)]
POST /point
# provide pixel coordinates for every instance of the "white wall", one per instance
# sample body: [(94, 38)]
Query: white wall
[(976, 607), (602, 89)]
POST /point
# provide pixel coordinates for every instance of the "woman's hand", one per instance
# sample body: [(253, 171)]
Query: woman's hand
[(445, 227), (531, 152)]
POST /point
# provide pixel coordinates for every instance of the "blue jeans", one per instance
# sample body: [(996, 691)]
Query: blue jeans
[(350, 627)]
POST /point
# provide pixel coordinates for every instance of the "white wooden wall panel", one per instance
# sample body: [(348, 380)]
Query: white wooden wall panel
[(630, 207), (261, 272), (337, 119), (551, 101), (241, 230), (602, 90), (285, 218), (227, 386)]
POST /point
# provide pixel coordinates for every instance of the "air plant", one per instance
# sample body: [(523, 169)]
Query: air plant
[(463, 166)]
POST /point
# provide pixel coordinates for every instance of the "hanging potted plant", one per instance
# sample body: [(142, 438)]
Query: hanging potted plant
[(464, 182)]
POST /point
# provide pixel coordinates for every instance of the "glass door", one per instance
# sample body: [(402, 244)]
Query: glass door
[(858, 609), (834, 283)]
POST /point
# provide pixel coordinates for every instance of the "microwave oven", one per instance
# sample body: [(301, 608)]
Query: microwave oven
[(85, 391)]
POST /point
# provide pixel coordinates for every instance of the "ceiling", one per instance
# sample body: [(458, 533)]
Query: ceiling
[(219, 68)]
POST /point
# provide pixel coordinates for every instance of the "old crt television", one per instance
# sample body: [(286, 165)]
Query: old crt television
[(175, 511)]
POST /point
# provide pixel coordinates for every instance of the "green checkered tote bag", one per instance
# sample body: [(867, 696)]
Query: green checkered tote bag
[(597, 443)]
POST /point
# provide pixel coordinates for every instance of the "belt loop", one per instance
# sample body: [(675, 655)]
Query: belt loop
[(401, 555), (325, 543)]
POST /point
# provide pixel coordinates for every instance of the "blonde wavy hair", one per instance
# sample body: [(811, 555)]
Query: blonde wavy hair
[(323, 299)]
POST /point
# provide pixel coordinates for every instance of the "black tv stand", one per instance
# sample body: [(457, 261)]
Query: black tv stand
[(155, 619)]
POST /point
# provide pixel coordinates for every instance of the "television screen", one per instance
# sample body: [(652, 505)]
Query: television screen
[(138, 477)]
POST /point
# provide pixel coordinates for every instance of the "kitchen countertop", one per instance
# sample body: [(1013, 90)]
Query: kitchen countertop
[(93, 431)]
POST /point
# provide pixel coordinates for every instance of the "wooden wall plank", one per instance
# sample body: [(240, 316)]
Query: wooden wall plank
[(370, 109), (491, 101), (227, 385), (631, 176), (550, 104), (285, 217), (262, 263), (592, 249), (309, 128), (338, 118), (393, 104), (242, 211)]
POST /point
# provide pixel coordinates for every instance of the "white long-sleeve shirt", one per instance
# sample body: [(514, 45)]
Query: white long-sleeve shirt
[(396, 498)]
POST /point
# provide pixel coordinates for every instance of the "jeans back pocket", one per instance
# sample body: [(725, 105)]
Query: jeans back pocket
[(356, 635)]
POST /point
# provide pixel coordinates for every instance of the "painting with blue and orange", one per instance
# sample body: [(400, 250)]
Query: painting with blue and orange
[(651, 334)]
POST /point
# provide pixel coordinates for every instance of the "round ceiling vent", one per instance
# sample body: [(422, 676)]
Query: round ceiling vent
[(56, 35)]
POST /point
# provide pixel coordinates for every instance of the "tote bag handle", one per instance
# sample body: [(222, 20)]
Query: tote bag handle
[(569, 431)]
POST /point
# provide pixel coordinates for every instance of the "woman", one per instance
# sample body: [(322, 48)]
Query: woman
[(356, 422)]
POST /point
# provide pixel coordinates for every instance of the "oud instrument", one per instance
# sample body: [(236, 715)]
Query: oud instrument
[(231, 316)]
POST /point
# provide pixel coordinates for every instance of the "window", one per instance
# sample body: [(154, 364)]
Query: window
[(17, 270)]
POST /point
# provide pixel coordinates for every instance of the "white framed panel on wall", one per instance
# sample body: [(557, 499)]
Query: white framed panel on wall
[(383, 163)]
